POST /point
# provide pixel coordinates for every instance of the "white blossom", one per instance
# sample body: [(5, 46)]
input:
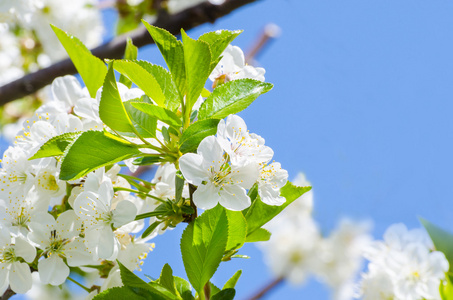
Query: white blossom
[(217, 181)]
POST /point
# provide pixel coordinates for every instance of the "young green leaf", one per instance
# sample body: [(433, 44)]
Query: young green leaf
[(231, 283), (111, 107), (145, 125), (160, 113), (166, 279), (260, 213), (203, 244), (197, 58), (173, 53), (218, 41), (150, 229), (442, 240), (92, 150), (56, 145), (237, 230), (227, 294), (156, 291), (142, 78), (259, 235), (232, 97), (167, 85), (184, 289), (195, 133), (130, 53), (125, 292), (91, 69)]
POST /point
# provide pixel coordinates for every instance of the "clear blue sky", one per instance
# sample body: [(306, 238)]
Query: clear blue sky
[(362, 104)]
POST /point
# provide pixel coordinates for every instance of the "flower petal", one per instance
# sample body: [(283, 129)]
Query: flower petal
[(53, 270)]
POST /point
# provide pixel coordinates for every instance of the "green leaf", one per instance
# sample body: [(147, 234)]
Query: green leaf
[(203, 244), (260, 213), (130, 279), (56, 145), (232, 97), (205, 93), (214, 288), (167, 85), (173, 53), (446, 289), (179, 187), (195, 133), (237, 230), (130, 53), (231, 283), (160, 113), (93, 150), (125, 292), (150, 229), (145, 125), (155, 290), (142, 78), (259, 235), (218, 41), (184, 289), (442, 240), (111, 107), (197, 58), (227, 294), (91, 69), (166, 279), (147, 160)]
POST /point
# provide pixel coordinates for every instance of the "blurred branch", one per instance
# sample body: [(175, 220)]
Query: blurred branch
[(8, 294), (270, 286), (187, 19), (270, 32)]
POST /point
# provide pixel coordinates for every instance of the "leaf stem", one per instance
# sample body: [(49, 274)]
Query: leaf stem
[(79, 284), (192, 190), (267, 288), (138, 192)]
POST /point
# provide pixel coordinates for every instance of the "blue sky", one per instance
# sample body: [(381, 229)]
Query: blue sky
[(362, 104)]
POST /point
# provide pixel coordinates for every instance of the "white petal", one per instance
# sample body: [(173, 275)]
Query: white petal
[(234, 197), (206, 196), (20, 277), (53, 270), (211, 151), (191, 166), (124, 213), (23, 249), (77, 254), (67, 225), (67, 89)]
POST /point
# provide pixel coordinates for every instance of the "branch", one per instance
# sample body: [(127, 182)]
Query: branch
[(187, 19), (266, 289), (8, 294)]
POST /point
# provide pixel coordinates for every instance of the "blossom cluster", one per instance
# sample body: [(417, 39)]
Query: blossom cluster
[(49, 226), (402, 266), (28, 41), (298, 250)]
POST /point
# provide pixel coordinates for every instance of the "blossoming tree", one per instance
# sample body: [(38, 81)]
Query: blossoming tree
[(68, 207)]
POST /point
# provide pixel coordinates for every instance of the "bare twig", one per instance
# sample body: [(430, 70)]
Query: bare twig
[(270, 32), (7, 294), (270, 286), (187, 19)]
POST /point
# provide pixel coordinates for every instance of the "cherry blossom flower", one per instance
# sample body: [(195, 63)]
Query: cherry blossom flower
[(217, 181)]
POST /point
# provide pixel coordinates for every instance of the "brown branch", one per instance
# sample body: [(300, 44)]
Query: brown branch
[(270, 286), (187, 19), (7, 294)]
